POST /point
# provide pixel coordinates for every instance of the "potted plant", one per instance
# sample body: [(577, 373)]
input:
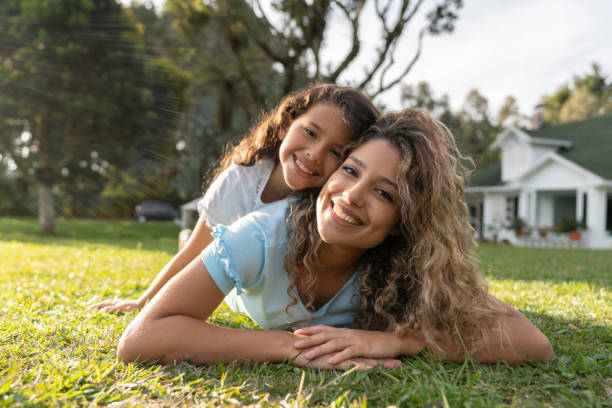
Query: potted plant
[(571, 227), (519, 226)]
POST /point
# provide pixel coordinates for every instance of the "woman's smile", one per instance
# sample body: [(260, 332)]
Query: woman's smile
[(358, 206), (343, 215)]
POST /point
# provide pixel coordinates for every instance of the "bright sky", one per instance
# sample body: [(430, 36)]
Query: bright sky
[(524, 48)]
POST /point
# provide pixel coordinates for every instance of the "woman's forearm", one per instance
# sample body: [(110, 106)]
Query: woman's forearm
[(179, 337), (172, 327)]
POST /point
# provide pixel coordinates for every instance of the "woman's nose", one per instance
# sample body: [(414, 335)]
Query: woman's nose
[(354, 195)]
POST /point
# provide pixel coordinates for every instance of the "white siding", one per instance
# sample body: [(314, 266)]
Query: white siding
[(516, 158), (554, 176)]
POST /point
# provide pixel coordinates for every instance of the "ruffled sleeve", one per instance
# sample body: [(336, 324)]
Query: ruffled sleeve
[(237, 255)]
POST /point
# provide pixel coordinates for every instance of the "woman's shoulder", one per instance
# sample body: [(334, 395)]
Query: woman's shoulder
[(270, 220)]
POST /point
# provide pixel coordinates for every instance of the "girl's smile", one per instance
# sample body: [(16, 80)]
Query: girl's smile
[(311, 147)]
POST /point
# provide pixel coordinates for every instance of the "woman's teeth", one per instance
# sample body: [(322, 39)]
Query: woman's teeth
[(303, 168), (338, 211)]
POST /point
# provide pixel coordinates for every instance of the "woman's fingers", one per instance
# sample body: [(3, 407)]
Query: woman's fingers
[(323, 349), (309, 330), (364, 364), (316, 335), (345, 354), (311, 341)]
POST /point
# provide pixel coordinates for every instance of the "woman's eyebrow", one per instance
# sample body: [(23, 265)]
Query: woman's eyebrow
[(383, 179), (314, 125)]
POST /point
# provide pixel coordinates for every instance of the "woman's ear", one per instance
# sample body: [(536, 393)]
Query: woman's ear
[(395, 232), (282, 132)]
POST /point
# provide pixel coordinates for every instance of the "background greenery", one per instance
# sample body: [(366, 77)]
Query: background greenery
[(104, 105), (54, 351)]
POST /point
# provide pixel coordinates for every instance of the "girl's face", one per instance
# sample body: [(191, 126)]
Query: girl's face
[(359, 205), (311, 147)]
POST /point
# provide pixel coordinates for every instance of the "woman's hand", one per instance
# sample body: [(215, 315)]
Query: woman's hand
[(117, 305), (361, 364), (342, 345)]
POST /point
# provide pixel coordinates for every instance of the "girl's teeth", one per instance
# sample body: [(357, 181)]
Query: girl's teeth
[(304, 169)]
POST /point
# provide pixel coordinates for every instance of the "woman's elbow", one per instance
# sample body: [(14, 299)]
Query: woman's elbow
[(131, 347), (541, 349)]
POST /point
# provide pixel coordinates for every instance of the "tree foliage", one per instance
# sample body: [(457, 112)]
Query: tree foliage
[(472, 126), (589, 96), (72, 73)]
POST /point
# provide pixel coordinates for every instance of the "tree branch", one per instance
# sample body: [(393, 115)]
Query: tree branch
[(383, 88), (390, 37), (355, 42)]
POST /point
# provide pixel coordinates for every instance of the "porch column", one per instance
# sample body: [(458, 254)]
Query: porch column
[(596, 216), (533, 208), (579, 204), (523, 210)]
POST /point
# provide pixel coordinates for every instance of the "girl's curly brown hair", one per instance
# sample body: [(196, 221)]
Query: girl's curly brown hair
[(426, 278), (263, 140)]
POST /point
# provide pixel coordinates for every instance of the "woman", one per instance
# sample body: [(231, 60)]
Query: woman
[(390, 252)]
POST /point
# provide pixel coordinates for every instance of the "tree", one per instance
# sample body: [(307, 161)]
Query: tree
[(509, 113), (73, 74), (473, 129), (291, 34), (590, 95)]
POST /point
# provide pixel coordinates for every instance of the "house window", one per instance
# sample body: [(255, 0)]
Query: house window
[(511, 208)]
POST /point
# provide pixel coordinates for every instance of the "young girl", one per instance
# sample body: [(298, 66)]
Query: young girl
[(296, 146), (386, 240)]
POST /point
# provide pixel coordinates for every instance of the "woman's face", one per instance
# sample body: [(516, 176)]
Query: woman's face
[(359, 205)]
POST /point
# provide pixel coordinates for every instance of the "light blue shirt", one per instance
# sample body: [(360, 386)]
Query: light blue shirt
[(249, 255)]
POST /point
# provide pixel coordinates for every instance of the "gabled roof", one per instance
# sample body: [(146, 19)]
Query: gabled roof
[(591, 143), (487, 176), (587, 143)]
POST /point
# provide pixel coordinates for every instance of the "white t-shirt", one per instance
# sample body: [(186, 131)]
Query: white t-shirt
[(235, 193)]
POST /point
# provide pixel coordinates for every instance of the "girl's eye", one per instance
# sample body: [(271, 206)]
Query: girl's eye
[(384, 195), (335, 153), (349, 170), (309, 132)]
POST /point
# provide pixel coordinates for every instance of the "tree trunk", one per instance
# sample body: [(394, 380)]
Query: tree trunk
[(45, 206)]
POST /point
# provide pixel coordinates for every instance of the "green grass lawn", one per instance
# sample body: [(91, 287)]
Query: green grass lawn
[(54, 351)]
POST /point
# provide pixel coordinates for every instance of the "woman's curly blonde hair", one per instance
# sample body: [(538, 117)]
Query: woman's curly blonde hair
[(264, 138), (426, 278)]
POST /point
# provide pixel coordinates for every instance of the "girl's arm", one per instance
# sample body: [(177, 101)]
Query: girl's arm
[(521, 341), (200, 238), (172, 327)]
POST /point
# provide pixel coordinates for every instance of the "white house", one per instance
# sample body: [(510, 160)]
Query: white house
[(548, 176)]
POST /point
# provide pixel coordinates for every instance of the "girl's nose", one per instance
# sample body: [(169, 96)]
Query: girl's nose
[(316, 152)]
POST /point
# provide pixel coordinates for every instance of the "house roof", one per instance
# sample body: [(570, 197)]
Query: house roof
[(591, 149), (591, 140), (487, 176)]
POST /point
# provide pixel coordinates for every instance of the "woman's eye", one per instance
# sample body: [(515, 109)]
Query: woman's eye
[(309, 132), (384, 195), (349, 170)]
